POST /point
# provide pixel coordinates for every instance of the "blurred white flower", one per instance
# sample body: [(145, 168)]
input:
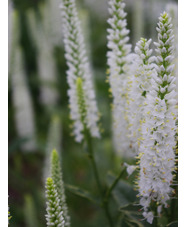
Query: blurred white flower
[(43, 34), (130, 168), (24, 115), (119, 61), (149, 216)]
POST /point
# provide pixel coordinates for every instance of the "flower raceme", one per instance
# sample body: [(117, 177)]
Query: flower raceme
[(54, 215), (119, 66), (172, 10), (157, 149), (56, 175), (141, 84), (78, 68), (53, 140)]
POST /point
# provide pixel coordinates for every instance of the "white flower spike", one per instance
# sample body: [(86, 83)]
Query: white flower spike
[(141, 85), (157, 161), (172, 9), (119, 62), (78, 67)]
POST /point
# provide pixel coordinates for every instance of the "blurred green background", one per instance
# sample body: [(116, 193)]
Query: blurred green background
[(36, 27)]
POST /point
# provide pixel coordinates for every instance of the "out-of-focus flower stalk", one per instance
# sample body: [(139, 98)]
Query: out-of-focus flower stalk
[(119, 67), (43, 38), (30, 212), (24, 115)]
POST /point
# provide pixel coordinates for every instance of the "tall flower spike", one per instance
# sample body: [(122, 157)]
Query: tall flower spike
[(54, 215), (118, 62), (21, 97), (172, 9), (141, 86), (78, 65), (56, 175), (53, 141), (157, 161), (43, 40), (24, 114)]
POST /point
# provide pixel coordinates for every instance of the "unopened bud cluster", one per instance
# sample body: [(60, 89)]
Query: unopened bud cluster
[(54, 215)]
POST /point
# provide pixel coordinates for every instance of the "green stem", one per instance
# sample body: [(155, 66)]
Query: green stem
[(107, 213), (173, 215), (96, 175), (107, 196), (92, 159), (155, 223), (172, 209), (108, 193)]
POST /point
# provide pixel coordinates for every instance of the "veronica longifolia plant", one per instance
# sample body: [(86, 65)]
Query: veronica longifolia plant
[(157, 157), (78, 65)]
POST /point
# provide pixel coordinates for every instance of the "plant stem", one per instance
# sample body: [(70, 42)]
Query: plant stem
[(155, 218), (107, 213), (96, 175), (92, 159), (113, 185), (108, 193)]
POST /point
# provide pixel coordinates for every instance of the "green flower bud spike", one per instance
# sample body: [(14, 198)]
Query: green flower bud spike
[(56, 175), (54, 215)]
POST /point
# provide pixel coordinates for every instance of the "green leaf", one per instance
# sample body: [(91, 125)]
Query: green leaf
[(123, 192), (129, 221), (82, 193), (132, 208), (132, 214), (173, 224)]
